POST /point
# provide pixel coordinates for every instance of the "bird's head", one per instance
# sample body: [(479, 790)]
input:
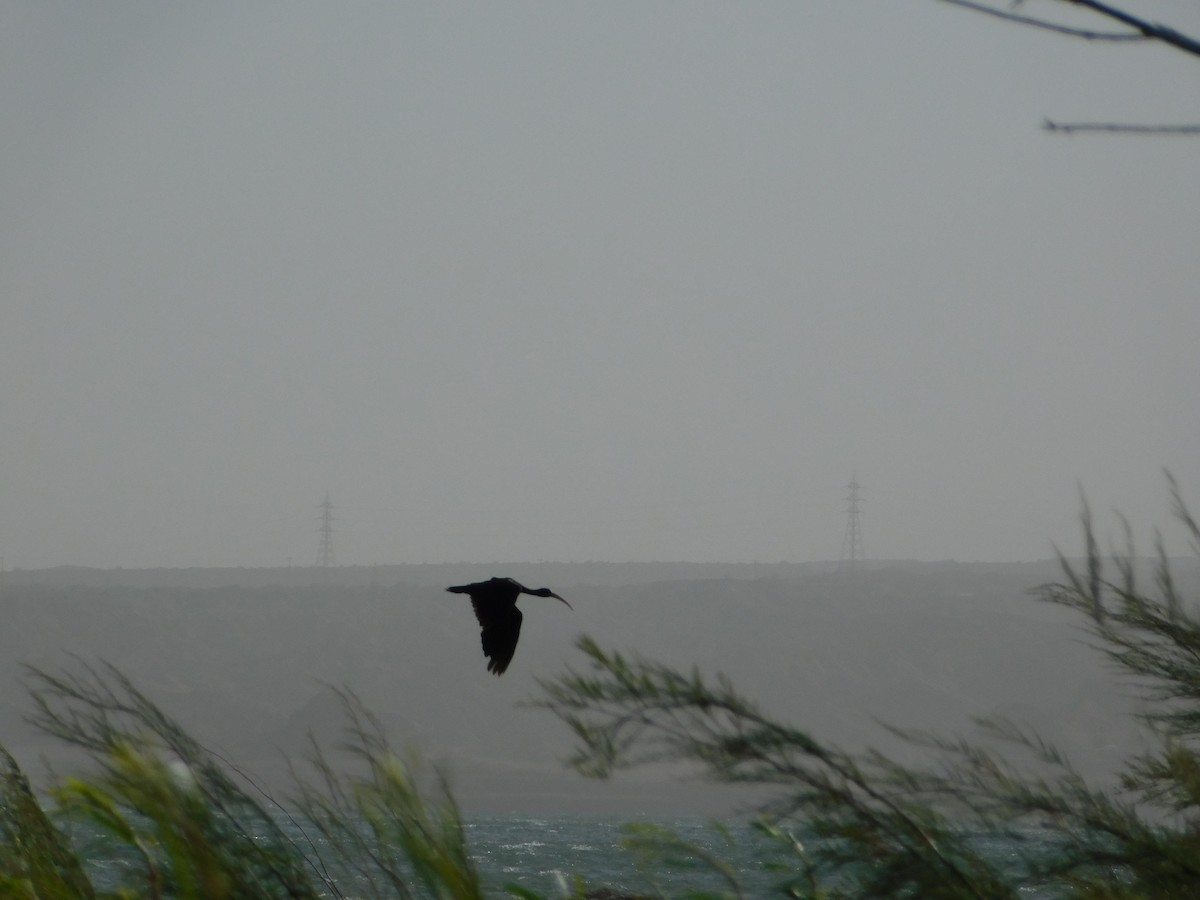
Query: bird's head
[(546, 592)]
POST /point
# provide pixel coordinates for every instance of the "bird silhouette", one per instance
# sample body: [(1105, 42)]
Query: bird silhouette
[(495, 605)]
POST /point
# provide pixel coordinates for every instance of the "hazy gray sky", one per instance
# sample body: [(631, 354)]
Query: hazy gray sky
[(518, 281)]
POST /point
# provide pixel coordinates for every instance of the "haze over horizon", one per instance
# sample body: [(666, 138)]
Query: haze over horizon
[(603, 282)]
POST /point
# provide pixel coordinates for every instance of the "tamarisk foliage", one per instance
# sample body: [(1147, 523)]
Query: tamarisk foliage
[(184, 823), (873, 827)]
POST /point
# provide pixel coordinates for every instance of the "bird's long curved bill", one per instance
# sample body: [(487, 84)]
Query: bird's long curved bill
[(556, 597)]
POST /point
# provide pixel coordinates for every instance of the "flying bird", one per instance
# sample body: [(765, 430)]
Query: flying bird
[(495, 605)]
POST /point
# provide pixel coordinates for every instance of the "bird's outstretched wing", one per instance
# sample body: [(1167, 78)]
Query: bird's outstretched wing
[(478, 587), (501, 626)]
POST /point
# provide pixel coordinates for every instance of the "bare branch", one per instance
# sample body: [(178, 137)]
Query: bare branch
[(1047, 25), (1119, 128), (1142, 30), (1151, 30)]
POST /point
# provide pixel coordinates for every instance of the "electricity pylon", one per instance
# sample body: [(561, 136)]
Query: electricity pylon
[(852, 542), (325, 551)]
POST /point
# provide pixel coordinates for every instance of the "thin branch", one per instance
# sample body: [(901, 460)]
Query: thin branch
[(1152, 30), (1047, 25), (1143, 30), (1118, 127)]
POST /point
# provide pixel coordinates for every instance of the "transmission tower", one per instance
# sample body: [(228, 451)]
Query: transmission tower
[(852, 542), (325, 551)]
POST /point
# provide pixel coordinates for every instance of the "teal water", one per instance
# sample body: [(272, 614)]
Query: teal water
[(542, 854), (546, 854)]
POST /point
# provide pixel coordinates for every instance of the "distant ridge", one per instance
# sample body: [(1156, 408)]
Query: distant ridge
[(247, 667), (608, 574)]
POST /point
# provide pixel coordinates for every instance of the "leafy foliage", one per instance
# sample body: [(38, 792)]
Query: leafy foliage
[(193, 831), (186, 829), (877, 828), (835, 825), (395, 840), (36, 860)]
